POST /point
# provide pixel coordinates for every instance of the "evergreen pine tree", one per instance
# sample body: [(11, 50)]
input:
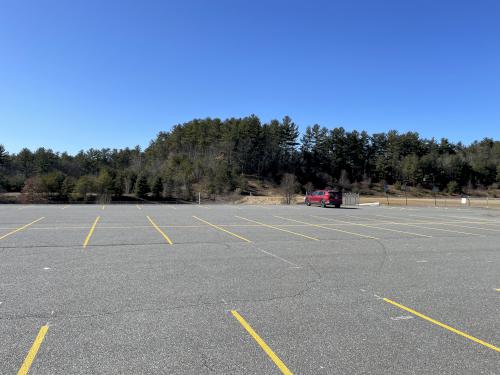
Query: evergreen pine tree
[(157, 188), (142, 187)]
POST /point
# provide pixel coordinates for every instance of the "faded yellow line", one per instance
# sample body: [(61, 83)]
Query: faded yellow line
[(103, 206), (222, 229), (328, 228), (418, 225), (138, 207), (377, 227), (278, 362), (160, 231), (87, 239), (33, 351), (445, 230), (470, 220), (498, 289), (201, 206), (469, 227), (442, 325), (276, 228), (63, 208), (21, 228), (425, 221), (457, 222)]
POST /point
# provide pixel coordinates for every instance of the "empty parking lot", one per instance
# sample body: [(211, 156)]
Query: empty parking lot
[(190, 289)]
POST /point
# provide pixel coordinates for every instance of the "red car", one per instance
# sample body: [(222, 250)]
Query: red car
[(324, 198)]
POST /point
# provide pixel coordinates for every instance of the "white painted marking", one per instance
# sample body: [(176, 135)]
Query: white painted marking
[(278, 257), (422, 261), (46, 268), (402, 317)]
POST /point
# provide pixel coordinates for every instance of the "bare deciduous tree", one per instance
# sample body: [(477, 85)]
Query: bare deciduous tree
[(288, 186)]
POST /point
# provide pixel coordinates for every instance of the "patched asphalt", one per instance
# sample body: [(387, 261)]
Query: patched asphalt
[(310, 283)]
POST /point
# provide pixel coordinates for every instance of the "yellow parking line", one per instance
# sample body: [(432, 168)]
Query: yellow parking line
[(442, 325), (334, 229), (278, 362), (418, 225), (222, 229), (445, 230), (87, 239), (21, 228), (276, 228), (427, 222), (456, 224), (33, 351), (469, 219), (160, 231), (377, 227), (498, 289), (103, 206)]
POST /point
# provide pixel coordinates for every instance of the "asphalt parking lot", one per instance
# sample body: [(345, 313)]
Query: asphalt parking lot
[(187, 289)]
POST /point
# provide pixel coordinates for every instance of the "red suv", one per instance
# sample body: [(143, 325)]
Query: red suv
[(324, 198)]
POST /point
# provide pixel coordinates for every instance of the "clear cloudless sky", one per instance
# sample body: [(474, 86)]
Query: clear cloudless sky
[(92, 73)]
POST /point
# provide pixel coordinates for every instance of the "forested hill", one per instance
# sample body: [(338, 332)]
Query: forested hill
[(218, 157)]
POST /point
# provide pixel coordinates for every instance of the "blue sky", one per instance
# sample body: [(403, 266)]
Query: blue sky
[(80, 74)]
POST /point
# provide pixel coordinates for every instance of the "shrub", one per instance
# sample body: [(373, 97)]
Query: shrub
[(453, 187)]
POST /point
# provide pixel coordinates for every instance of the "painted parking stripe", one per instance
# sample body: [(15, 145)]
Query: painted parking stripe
[(278, 362), (324, 227), (21, 228), (455, 223), (92, 228), (33, 351), (442, 325), (169, 241), (418, 225), (222, 229), (276, 228), (376, 227)]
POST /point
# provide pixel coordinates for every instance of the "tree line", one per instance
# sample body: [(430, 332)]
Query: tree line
[(218, 157)]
